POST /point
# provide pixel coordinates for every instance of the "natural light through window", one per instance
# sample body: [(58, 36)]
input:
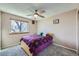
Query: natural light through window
[(18, 26)]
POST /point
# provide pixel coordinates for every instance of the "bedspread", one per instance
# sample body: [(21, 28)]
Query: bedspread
[(37, 43)]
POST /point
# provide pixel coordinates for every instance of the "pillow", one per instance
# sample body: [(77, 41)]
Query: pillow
[(50, 34), (41, 33)]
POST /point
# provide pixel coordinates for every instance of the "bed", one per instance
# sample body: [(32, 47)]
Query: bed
[(34, 44)]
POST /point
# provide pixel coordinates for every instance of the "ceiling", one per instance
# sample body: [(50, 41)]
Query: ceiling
[(24, 9)]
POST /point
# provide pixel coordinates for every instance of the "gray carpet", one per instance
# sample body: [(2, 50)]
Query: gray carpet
[(52, 50)]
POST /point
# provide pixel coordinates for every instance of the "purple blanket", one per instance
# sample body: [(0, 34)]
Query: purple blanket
[(37, 43), (29, 38)]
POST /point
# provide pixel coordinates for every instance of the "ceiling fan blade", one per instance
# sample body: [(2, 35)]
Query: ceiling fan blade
[(30, 15), (40, 15), (41, 11)]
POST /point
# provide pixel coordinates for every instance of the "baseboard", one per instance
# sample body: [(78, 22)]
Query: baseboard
[(66, 47), (10, 46)]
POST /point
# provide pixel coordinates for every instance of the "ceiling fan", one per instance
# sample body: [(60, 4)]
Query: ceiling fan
[(38, 13)]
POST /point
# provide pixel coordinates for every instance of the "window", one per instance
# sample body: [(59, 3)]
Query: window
[(18, 26)]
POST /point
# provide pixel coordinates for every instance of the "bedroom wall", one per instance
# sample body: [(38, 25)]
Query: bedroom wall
[(64, 33), (78, 32), (13, 39), (0, 30)]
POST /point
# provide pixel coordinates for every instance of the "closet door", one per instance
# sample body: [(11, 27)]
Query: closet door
[(0, 30), (78, 32)]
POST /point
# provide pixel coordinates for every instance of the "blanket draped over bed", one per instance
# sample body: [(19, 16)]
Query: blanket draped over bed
[(37, 43)]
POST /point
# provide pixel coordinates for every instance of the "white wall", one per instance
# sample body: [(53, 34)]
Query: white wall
[(78, 32), (0, 30), (13, 39), (64, 32)]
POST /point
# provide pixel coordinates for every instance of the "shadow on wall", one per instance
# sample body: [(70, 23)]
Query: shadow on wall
[(60, 42), (56, 39)]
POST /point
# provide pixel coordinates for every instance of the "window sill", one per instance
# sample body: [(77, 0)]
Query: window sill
[(18, 33)]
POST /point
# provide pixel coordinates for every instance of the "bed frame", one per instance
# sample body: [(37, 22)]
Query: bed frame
[(25, 47)]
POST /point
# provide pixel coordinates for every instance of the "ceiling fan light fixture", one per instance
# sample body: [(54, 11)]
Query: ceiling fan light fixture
[(35, 15)]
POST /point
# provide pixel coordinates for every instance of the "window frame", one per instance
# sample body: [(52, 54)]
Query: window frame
[(20, 21)]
